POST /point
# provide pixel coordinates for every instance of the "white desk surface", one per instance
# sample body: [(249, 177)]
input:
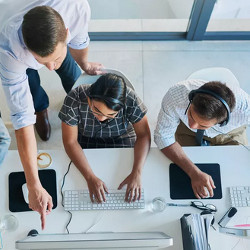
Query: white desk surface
[(112, 166)]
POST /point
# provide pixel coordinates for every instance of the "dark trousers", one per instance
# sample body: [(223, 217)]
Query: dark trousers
[(68, 72)]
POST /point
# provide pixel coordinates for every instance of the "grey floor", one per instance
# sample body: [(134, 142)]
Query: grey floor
[(152, 67)]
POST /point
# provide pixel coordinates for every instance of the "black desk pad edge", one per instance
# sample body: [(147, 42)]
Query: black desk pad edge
[(180, 183), (17, 179)]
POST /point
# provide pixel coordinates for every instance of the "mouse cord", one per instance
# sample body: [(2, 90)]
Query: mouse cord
[(230, 137), (63, 181)]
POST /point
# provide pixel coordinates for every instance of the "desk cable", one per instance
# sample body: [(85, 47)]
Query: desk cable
[(71, 215), (230, 137), (63, 181)]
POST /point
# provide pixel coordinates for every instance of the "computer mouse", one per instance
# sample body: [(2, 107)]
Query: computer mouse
[(25, 193), (208, 195)]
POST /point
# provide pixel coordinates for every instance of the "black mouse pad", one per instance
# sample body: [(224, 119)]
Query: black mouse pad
[(17, 179), (180, 183)]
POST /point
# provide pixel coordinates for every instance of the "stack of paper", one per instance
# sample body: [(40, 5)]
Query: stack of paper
[(195, 230)]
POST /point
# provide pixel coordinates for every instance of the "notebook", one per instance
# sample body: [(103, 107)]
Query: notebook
[(180, 183)]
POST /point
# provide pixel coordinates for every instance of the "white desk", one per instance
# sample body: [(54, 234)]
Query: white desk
[(112, 166)]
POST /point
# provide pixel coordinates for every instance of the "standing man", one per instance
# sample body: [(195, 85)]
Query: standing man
[(45, 33), (193, 113)]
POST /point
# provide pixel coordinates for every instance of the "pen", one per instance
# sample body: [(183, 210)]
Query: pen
[(177, 205), (242, 225)]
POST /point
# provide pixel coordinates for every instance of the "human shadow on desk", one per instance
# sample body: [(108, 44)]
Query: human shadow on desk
[(17, 179)]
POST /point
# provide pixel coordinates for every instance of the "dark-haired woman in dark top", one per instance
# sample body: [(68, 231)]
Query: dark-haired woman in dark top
[(106, 114)]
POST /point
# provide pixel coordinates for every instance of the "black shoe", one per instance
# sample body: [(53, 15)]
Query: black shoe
[(42, 125)]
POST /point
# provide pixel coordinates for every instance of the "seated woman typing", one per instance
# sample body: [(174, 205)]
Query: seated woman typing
[(105, 114)]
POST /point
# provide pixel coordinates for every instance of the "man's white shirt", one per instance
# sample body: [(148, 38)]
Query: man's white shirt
[(15, 57), (176, 101)]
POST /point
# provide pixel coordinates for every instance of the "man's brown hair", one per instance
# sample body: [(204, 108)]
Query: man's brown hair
[(43, 28), (208, 106)]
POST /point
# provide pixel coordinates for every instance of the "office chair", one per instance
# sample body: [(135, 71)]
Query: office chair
[(88, 79), (216, 74)]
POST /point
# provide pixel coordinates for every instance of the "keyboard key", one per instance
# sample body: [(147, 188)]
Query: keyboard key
[(240, 196)]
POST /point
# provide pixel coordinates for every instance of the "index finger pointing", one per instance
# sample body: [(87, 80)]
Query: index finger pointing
[(43, 216)]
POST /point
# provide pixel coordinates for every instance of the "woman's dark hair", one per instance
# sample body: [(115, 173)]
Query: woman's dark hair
[(209, 107), (43, 28), (111, 90)]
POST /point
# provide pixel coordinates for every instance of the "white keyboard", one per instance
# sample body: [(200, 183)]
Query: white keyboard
[(240, 196), (75, 200)]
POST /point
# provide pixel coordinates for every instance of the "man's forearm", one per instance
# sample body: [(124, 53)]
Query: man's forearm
[(80, 56), (27, 148), (176, 154)]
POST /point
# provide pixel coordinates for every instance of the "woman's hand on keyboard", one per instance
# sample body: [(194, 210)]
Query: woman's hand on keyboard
[(97, 189), (133, 192)]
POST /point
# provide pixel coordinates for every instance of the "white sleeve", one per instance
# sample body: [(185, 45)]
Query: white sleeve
[(241, 113), (17, 91), (168, 121), (81, 39)]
